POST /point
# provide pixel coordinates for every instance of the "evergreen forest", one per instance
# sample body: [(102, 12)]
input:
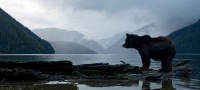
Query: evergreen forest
[(187, 40), (17, 39)]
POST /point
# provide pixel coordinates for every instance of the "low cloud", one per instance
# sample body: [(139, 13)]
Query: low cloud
[(104, 18)]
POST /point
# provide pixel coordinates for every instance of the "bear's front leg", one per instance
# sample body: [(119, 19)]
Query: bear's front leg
[(145, 62)]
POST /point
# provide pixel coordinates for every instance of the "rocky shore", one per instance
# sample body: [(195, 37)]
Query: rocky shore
[(35, 70), (65, 70)]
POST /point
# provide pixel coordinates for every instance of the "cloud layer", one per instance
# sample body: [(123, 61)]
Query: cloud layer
[(104, 18)]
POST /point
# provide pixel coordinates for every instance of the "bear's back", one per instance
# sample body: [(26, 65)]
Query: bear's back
[(162, 43), (161, 39), (157, 43), (145, 39), (159, 48)]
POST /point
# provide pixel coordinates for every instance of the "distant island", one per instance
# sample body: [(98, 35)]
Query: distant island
[(17, 39)]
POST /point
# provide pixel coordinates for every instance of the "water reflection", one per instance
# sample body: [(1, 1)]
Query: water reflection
[(165, 85), (108, 83), (36, 86), (25, 57), (176, 84), (146, 85)]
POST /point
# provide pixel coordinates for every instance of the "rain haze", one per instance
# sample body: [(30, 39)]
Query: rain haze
[(104, 18)]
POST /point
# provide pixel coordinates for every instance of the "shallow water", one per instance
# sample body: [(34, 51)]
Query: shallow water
[(193, 83), (175, 84)]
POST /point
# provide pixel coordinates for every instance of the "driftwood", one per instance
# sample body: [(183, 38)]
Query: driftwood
[(128, 72), (182, 63), (180, 70)]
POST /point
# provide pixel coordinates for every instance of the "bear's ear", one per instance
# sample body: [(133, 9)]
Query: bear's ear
[(127, 34)]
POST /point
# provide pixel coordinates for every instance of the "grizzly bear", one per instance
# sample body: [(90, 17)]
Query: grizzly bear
[(159, 48)]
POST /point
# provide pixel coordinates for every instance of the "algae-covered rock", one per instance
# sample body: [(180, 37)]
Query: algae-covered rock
[(104, 69), (21, 74), (44, 66)]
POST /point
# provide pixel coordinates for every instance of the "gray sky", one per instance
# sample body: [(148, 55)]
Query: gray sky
[(104, 18)]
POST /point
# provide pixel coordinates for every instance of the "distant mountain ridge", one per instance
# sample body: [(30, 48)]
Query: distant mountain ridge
[(187, 40), (17, 39), (117, 48), (62, 47), (146, 30), (107, 42), (55, 34)]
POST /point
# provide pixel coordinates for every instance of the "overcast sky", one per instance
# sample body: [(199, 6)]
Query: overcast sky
[(104, 18)]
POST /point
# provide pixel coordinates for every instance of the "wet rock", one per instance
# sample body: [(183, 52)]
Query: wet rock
[(43, 66), (56, 78), (137, 70), (58, 70), (153, 78), (104, 69), (21, 74)]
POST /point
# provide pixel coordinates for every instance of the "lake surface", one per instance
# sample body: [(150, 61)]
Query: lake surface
[(193, 83)]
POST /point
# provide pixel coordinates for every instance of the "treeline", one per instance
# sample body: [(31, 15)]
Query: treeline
[(187, 40), (17, 39)]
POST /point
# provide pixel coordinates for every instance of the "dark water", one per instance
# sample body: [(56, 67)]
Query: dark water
[(193, 83)]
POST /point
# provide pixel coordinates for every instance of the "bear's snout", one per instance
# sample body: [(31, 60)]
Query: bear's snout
[(124, 45)]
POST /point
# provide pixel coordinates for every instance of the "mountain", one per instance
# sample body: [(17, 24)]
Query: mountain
[(117, 48), (107, 42), (187, 39), (55, 34), (148, 29), (92, 44), (17, 39), (62, 47)]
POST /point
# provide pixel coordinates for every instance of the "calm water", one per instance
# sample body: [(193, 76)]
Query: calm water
[(176, 84)]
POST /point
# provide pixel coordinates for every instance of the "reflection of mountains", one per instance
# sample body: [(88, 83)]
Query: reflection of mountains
[(107, 83), (22, 85), (166, 85), (25, 57), (96, 84)]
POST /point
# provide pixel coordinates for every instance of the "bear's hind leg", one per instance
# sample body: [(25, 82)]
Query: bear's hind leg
[(166, 66)]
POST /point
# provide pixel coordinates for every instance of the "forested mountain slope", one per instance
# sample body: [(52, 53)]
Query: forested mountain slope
[(187, 40), (17, 39)]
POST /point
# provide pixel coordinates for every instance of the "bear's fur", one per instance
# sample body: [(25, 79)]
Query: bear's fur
[(159, 48)]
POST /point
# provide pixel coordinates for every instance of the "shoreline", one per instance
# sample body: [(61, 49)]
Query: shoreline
[(65, 70)]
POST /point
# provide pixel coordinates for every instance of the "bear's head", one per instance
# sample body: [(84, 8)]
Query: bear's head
[(132, 41)]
